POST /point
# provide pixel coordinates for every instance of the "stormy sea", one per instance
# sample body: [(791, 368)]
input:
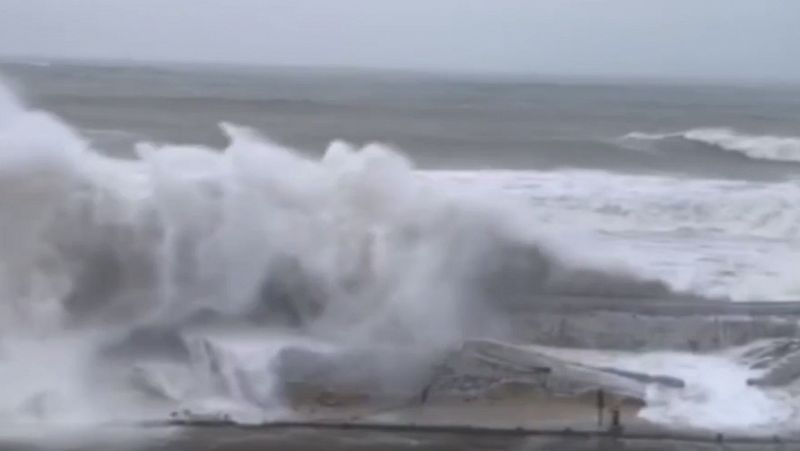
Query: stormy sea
[(175, 236)]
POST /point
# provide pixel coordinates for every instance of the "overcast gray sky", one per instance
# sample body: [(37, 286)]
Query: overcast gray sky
[(737, 39)]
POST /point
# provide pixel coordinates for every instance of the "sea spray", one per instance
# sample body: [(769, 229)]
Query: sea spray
[(349, 250)]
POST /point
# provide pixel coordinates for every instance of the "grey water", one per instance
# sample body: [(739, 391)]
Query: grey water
[(440, 121)]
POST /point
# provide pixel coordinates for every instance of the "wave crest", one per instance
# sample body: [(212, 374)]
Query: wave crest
[(757, 147)]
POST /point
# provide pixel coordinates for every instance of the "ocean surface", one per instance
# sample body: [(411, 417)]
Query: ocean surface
[(161, 223), (693, 184)]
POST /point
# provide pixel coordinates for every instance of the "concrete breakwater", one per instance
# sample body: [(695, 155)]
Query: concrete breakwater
[(642, 324), (334, 436)]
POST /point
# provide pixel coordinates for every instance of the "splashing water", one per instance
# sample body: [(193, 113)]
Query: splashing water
[(108, 265), (716, 395), (716, 387)]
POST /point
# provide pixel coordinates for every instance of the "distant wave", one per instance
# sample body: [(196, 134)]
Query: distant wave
[(757, 147)]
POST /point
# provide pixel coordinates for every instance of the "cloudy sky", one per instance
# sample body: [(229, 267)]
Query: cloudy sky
[(726, 39)]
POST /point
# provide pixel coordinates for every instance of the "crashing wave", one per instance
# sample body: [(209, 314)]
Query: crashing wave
[(353, 248), (757, 147)]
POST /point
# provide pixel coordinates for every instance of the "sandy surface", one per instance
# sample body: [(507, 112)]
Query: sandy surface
[(524, 422), (523, 410), (308, 438)]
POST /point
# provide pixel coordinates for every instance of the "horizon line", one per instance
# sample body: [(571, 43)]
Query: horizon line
[(458, 74)]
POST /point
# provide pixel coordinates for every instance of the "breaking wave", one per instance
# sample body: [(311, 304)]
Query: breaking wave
[(117, 275), (757, 147)]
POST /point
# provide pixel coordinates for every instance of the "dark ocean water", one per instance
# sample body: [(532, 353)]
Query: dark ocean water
[(441, 122)]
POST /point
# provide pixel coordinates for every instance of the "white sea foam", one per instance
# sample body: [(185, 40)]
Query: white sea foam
[(730, 238), (649, 203), (716, 395)]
